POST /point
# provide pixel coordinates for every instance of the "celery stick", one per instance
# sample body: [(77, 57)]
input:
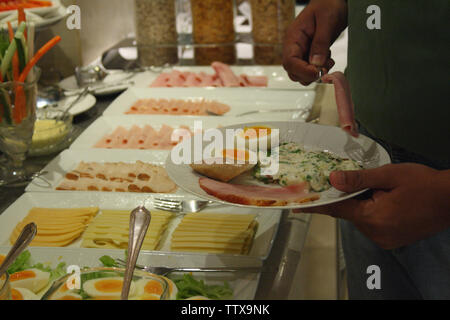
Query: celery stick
[(21, 50), (10, 52)]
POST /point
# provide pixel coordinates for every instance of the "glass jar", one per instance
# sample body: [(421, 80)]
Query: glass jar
[(270, 19), (213, 31), (156, 32)]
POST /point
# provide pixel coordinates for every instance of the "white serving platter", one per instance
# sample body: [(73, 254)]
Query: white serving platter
[(107, 124), (244, 284), (268, 222), (312, 137), (277, 76), (297, 103), (54, 172)]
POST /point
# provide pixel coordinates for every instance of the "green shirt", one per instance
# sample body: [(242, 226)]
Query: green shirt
[(399, 74)]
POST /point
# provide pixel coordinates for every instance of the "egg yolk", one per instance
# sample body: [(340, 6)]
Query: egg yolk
[(109, 285), (153, 287), (16, 295), (21, 275), (256, 132), (236, 154)]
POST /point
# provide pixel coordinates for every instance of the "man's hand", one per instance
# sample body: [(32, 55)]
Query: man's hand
[(409, 202), (309, 38)]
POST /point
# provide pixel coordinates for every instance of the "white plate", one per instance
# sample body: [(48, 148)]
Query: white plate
[(81, 106), (277, 76), (70, 83), (107, 124), (38, 11), (268, 222), (244, 285), (240, 101), (69, 159), (311, 137)]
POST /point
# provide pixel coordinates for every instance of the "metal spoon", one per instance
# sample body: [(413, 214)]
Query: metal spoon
[(139, 221), (24, 239), (83, 94)]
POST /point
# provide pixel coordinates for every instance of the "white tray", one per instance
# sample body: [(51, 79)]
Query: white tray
[(268, 221), (240, 101), (277, 76), (107, 124), (69, 159), (244, 285)]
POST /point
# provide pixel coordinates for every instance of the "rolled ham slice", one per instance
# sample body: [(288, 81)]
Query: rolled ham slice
[(225, 74), (344, 102), (257, 195)]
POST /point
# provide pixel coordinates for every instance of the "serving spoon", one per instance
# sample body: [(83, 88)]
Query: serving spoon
[(24, 239), (139, 221)]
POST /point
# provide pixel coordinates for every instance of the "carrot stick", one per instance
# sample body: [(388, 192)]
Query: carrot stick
[(45, 48), (19, 111), (20, 102), (15, 59)]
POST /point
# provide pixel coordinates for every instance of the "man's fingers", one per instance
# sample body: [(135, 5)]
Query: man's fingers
[(320, 45), (352, 181), (301, 71)]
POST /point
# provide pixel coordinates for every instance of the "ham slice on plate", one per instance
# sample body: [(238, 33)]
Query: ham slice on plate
[(257, 195), (225, 74), (344, 102)]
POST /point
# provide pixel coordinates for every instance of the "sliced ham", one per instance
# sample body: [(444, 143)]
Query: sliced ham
[(257, 195), (225, 74), (344, 102), (161, 80), (256, 81), (223, 77)]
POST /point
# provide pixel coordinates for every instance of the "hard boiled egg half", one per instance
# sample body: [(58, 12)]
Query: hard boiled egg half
[(109, 288), (23, 294), (256, 138), (33, 279), (151, 289)]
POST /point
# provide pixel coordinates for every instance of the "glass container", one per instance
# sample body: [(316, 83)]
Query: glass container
[(270, 20), (213, 31), (5, 288), (17, 118), (156, 32), (106, 284)]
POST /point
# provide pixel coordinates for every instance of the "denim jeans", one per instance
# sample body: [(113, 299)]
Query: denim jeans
[(417, 271)]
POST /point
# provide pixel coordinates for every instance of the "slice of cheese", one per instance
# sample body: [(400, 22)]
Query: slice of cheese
[(56, 227), (110, 230), (215, 233)]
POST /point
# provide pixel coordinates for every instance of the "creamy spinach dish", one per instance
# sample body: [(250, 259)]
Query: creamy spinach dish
[(296, 165)]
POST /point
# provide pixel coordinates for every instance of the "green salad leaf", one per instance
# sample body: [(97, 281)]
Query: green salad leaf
[(108, 261), (23, 262), (189, 287)]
